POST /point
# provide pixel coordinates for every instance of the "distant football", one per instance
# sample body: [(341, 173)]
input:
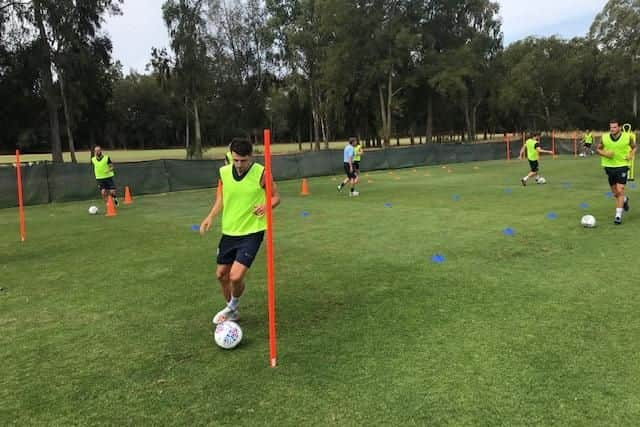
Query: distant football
[(588, 221), (93, 210)]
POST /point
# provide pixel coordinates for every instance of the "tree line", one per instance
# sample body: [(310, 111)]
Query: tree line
[(311, 70)]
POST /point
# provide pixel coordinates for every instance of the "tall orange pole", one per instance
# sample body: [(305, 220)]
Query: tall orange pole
[(508, 147), (20, 199), (271, 298)]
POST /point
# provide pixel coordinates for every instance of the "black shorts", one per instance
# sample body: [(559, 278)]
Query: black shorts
[(534, 165), (617, 175), (242, 249), (356, 165), (106, 184), (350, 175), (587, 145)]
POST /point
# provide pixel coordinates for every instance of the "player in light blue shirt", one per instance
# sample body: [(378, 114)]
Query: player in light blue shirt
[(352, 177)]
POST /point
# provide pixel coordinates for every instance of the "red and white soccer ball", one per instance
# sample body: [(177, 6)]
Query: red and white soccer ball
[(228, 334)]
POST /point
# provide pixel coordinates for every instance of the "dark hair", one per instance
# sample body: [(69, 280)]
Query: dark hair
[(352, 140), (616, 121), (241, 147)]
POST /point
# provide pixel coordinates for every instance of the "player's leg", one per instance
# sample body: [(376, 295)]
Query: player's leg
[(246, 249), (346, 180), (222, 274)]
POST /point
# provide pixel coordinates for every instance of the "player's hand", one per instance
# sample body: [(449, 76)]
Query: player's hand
[(608, 154), (259, 210), (205, 225), (629, 157)]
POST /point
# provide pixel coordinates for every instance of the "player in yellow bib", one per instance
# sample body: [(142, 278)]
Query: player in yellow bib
[(616, 151), (103, 170), (587, 143), (532, 149), (242, 203), (357, 156)]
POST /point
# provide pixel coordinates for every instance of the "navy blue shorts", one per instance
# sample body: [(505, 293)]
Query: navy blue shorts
[(617, 175), (106, 184), (242, 249), (350, 174)]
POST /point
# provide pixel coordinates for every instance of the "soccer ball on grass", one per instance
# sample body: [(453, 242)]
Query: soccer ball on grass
[(228, 334), (588, 221), (93, 210)]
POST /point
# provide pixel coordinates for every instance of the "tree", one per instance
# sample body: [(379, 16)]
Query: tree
[(617, 29), (187, 29)]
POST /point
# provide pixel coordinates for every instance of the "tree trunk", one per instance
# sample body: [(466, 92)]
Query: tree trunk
[(467, 117), (428, 138), (47, 83), (387, 137), (187, 142), (67, 117), (197, 147), (382, 113)]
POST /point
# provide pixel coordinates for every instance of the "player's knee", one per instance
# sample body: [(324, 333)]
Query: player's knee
[(236, 277), (222, 274)]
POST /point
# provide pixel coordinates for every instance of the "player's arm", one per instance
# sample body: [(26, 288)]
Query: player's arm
[(215, 210), (110, 163), (602, 152), (522, 150), (275, 198), (632, 152)]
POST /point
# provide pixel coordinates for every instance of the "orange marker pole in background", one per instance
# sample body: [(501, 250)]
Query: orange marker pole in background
[(553, 143), (271, 298), (575, 145), (508, 147), (23, 235)]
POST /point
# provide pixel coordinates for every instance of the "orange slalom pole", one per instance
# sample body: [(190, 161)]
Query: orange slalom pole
[(508, 147), (271, 298), (23, 235)]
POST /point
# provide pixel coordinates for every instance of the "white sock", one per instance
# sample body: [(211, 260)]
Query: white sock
[(525, 178), (626, 199), (618, 212), (233, 303)]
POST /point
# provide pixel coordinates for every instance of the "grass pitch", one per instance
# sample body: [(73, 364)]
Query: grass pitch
[(107, 320)]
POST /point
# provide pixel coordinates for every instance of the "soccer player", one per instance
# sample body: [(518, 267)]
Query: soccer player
[(587, 142), (616, 151), (352, 177), (228, 157), (533, 150), (103, 170), (242, 203), (357, 155)]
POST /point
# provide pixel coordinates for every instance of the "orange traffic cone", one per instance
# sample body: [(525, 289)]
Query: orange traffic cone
[(304, 191), (111, 208), (127, 196)]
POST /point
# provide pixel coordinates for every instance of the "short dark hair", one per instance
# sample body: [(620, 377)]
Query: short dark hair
[(352, 140), (241, 146), (616, 121)]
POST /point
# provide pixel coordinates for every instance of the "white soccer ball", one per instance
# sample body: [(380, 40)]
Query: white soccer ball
[(228, 334), (541, 180), (93, 210), (588, 221)]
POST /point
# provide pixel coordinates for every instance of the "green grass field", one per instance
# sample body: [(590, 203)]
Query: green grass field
[(107, 320)]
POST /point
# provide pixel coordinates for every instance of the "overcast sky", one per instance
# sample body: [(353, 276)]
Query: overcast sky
[(141, 27)]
